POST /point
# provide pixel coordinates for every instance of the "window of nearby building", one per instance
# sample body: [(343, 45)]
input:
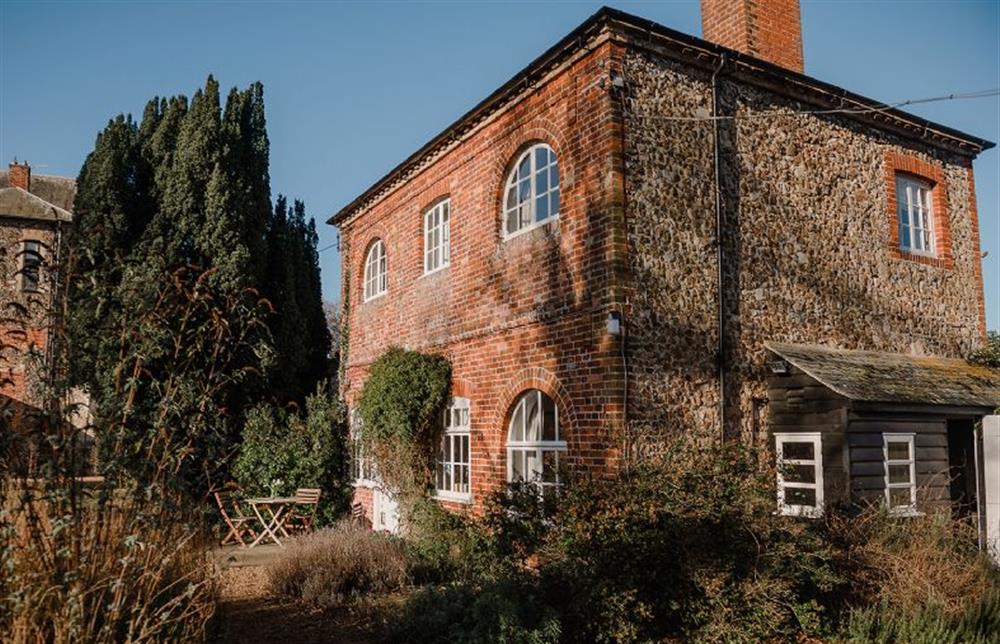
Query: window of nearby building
[(900, 473), (451, 467), (534, 441), (800, 474), (362, 469), (914, 212), (31, 265), (531, 194), (437, 237), (376, 271)]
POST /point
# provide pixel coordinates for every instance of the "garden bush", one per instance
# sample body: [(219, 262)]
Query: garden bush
[(976, 623), (283, 451), (338, 564)]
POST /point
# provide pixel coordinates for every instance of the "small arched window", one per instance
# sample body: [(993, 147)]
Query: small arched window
[(531, 194), (376, 271), (535, 441)]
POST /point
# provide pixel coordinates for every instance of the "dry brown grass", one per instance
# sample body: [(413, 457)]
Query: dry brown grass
[(85, 571), (914, 562), (336, 564)]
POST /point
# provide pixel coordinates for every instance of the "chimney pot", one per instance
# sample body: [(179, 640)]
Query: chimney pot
[(20, 175), (767, 29)]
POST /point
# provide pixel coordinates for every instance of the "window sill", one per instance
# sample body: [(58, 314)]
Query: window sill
[(530, 227), (927, 259), (374, 298), (453, 497), (437, 270), (905, 513)]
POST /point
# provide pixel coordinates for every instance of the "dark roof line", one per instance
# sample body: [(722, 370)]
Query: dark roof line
[(572, 42)]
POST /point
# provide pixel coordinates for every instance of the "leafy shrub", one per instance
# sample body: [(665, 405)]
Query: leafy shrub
[(977, 623), (989, 353), (337, 564), (283, 451)]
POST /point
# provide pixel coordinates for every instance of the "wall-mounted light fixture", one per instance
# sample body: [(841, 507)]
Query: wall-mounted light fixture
[(614, 323)]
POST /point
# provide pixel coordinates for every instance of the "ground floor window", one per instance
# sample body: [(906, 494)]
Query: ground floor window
[(535, 442), (900, 473), (800, 474), (362, 468), (452, 465)]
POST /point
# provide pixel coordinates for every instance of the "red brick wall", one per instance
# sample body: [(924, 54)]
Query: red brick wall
[(768, 29), (510, 315)]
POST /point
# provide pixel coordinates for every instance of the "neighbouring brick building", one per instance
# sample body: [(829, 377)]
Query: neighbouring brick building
[(35, 211), (603, 277)]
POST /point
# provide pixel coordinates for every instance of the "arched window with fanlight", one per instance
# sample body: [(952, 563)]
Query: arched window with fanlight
[(535, 443), (531, 194), (376, 271)]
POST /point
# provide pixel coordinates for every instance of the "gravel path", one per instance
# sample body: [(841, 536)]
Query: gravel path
[(250, 614)]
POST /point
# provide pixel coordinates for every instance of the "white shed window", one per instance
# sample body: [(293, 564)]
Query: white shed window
[(531, 195), (913, 205), (900, 473), (535, 442), (800, 474), (437, 237), (376, 271), (451, 467)]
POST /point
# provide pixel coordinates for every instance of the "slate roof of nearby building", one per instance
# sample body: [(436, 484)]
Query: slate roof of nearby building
[(58, 191), (874, 376), (697, 52)]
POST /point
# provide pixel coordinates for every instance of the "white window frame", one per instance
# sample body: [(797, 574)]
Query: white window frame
[(376, 271), (816, 439), (522, 448), (525, 207), (915, 214), (910, 440), (362, 468), (455, 429), (437, 237)]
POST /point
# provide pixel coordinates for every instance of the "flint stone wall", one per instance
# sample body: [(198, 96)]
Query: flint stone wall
[(806, 239)]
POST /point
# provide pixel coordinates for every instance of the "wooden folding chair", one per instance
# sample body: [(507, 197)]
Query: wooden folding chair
[(240, 525), (300, 516)]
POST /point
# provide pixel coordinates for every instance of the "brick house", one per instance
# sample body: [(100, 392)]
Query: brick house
[(35, 211), (603, 276)]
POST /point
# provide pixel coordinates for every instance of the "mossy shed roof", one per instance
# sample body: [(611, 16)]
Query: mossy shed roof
[(874, 376)]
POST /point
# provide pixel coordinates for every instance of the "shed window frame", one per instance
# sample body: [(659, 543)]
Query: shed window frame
[(453, 461), (816, 462), (376, 271), (909, 439), (31, 266), (437, 237), (525, 188), (915, 214)]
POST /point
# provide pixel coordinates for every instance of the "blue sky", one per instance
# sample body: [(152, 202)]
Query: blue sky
[(354, 88)]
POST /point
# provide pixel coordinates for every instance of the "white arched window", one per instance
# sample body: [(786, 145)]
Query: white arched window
[(376, 271), (534, 441), (531, 194)]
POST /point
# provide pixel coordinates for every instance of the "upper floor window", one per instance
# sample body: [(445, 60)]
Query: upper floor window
[(31, 266), (535, 441), (451, 467), (531, 195), (376, 271), (437, 237), (800, 474), (914, 213)]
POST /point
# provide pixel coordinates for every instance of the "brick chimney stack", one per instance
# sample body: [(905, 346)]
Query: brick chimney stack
[(20, 175), (767, 29)]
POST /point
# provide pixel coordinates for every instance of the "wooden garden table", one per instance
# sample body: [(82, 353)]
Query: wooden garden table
[(275, 508)]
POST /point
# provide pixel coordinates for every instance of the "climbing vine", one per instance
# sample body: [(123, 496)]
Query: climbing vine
[(399, 402)]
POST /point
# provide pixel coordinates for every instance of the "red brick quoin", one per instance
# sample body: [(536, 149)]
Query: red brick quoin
[(895, 164)]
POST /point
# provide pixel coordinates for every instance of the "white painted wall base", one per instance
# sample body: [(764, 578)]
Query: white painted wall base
[(991, 476)]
